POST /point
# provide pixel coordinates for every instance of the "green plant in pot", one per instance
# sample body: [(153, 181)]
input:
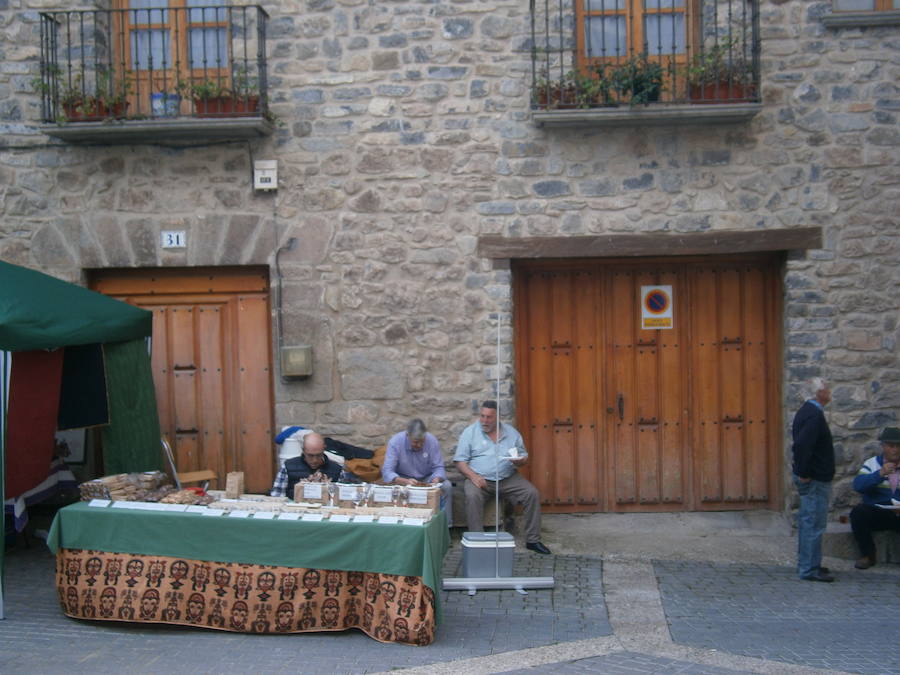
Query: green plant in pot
[(637, 80), (720, 74), (213, 98), (112, 94)]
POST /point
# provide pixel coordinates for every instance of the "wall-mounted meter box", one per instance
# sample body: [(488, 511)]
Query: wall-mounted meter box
[(265, 174), (296, 361)]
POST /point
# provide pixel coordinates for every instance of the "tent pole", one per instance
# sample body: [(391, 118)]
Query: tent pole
[(5, 365)]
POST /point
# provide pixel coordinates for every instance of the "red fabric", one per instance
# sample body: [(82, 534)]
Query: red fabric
[(34, 385)]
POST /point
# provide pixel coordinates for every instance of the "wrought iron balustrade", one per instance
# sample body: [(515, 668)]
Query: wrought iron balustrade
[(154, 63), (610, 53)]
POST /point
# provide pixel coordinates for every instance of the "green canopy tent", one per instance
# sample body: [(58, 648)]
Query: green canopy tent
[(40, 312)]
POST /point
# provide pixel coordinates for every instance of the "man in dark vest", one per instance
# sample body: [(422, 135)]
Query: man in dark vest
[(312, 460), (813, 470)]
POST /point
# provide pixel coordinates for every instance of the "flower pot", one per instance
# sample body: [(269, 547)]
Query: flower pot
[(226, 106), (93, 111), (721, 92), (165, 105)]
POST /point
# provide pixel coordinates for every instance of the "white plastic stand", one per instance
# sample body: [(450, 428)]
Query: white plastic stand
[(519, 584)]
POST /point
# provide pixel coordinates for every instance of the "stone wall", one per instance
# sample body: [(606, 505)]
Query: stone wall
[(406, 135)]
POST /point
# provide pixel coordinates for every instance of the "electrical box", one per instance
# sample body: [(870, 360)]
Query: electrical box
[(265, 174), (296, 361)]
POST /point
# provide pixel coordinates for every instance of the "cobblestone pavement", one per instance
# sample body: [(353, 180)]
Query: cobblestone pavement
[(38, 638), (768, 613), (604, 616)]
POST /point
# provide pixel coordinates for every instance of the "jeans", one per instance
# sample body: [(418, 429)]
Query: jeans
[(811, 520)]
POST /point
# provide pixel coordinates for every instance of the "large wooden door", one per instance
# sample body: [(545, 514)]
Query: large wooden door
[(626, 419), (211, 364)]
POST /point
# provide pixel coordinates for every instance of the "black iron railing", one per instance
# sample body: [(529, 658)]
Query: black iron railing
[(600, 53), (207, 61)]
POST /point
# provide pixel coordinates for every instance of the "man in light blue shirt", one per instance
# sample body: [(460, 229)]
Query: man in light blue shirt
[(477, 459), (414, 456)]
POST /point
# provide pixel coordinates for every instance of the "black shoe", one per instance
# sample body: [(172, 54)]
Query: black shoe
[(538, 547), (865, 562), (827, 578), (824, 570)]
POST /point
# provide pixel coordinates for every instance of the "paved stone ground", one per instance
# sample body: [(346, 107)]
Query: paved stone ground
[(766, 612), (38, 638), (615, 615)]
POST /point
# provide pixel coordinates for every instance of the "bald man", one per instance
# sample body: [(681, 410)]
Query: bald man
[(312, 459)]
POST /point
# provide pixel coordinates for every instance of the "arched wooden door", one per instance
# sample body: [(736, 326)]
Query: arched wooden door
[(623, 418), (211, 364)]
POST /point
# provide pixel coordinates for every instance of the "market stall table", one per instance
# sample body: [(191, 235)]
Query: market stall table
[(249, 574)]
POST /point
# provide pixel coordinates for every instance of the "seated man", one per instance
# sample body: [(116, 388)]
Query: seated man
[(312, 460), (414, 456), (878, 481), (475, 457)]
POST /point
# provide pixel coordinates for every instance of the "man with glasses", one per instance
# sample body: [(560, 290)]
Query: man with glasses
[(414, 456), (312, 460)]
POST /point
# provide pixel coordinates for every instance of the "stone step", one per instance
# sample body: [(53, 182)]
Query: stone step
[(838, 542)]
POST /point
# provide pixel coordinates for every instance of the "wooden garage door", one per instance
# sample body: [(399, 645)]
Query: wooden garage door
[(211, 364), (619, 418)]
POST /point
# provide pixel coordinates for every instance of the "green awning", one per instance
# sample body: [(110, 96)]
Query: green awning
[(38, 311)]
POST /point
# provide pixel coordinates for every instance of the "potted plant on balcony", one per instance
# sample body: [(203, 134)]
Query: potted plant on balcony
[(720, 74), (212, 98), (111, 95), (637, 80)]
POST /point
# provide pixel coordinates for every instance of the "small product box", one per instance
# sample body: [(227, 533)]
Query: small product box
[(480, 552), (424, 497)]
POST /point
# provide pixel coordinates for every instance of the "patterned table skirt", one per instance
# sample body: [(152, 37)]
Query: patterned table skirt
[(246, 598)]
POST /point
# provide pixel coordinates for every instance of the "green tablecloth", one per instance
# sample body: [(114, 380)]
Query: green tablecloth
[(407, 550)]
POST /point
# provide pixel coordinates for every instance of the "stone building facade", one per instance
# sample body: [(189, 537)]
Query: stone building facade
[(407, 141)]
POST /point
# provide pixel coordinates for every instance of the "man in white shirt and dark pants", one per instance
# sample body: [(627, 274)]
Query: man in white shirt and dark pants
[(476, 459)]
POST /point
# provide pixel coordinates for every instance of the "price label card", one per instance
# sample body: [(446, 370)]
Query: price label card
[(311, 517), (180, 508), (239, 513), (363, 518), (193, 508), (384, 495), (213, 512), (288, 516), (388, 520), (340, 518), (125, 505), (312, 490), (413, 521), (100, 502), (347, 492), (264, 515), (418, 497)]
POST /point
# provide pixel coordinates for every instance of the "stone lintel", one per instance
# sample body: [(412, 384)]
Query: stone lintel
[(650, 244), (861, 19), (651, 115), (114, 132)]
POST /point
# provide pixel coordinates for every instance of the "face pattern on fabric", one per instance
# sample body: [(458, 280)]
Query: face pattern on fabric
[(178, 571), (243, 598), (93, 567)]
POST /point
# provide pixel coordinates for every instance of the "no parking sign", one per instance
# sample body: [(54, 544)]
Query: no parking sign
[(656, 307)]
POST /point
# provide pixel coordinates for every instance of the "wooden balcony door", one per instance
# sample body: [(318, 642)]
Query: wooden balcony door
[(211, 364), (619, 418)]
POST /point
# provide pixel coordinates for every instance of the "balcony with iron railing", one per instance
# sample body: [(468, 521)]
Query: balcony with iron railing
[(636, 62), (122, 75)]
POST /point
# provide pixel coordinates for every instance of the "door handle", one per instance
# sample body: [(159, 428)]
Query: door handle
[(620, 402)]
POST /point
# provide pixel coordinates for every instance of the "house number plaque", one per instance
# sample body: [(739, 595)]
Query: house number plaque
[(173, 239)]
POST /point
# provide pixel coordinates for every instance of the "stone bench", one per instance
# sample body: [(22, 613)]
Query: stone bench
[(838, 542)]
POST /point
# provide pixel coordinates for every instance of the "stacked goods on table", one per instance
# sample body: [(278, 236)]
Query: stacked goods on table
[(423, 496), (126, 486), (314, 491), (147, 486)]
